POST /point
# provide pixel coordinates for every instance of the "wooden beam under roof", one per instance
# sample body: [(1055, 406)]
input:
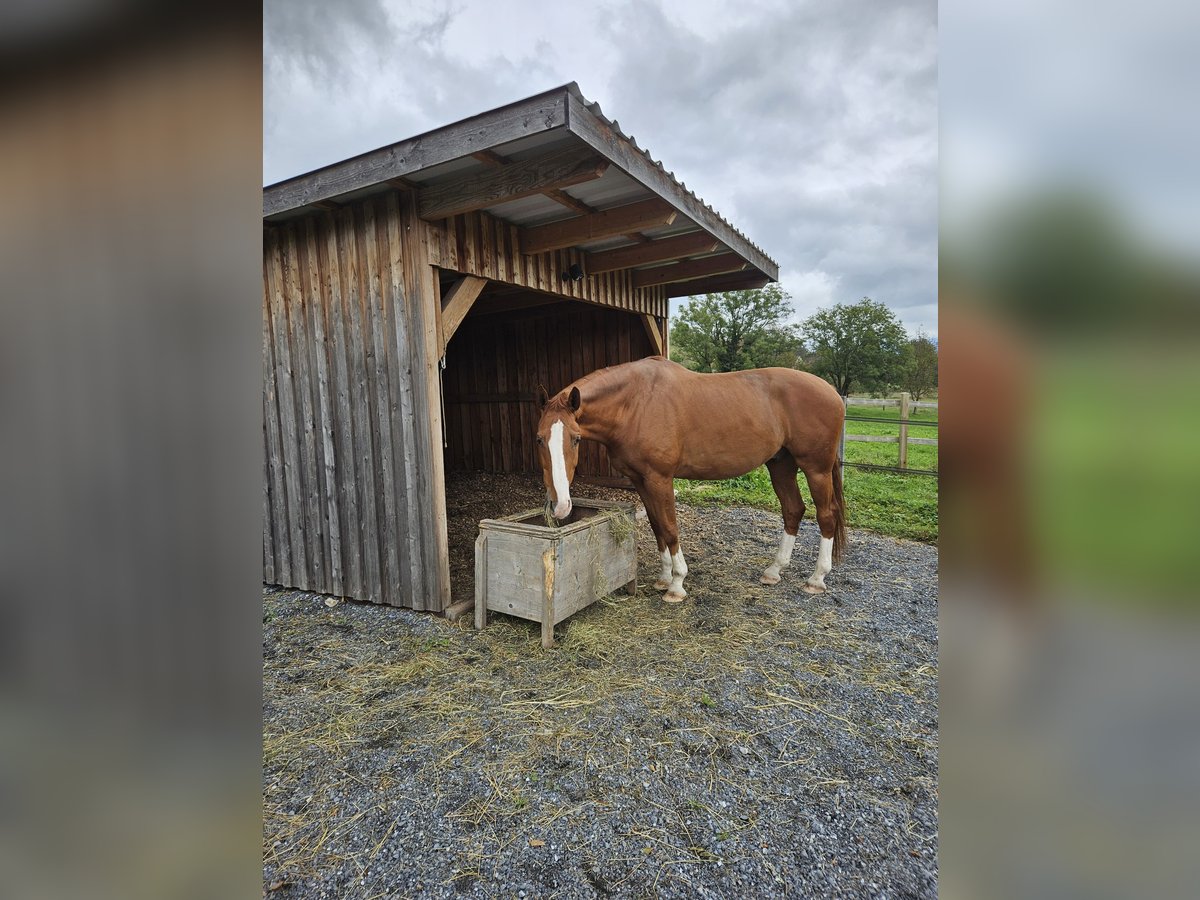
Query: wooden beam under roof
[(608, 223), (457, 303), (549, 171), (719, 284), (643, 254), (689, 269)]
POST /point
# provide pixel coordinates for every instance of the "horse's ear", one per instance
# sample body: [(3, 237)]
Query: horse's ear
[(574, 400), (543, 397)]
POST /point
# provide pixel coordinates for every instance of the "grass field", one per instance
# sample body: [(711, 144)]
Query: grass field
[(904, 506)]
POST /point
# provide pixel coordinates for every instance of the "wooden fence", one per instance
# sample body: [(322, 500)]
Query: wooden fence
[(907, 405)]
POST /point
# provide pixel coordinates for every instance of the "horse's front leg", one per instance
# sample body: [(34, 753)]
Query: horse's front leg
[(659, 497)]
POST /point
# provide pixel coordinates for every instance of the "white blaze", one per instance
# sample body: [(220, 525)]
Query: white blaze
[(558, 470)]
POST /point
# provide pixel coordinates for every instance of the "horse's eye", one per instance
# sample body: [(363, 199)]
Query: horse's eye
[(541, 441), (575, 440)]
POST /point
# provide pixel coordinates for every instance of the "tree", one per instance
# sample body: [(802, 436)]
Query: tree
[(735, 330), (856, 344), (920, 366)]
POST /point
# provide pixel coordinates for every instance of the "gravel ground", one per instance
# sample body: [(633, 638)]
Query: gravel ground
[(751, 742)]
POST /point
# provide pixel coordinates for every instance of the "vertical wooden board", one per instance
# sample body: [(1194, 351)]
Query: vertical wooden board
[(460, 244), (268, 535), (625, 325), (276, 469), (361, 365), (405, 420), (502, 349), (503, 249), (319, 294), (530, 413), (298, 306), (342, 387), (289, 428), (389, 538), (488, 247), (423, 297)]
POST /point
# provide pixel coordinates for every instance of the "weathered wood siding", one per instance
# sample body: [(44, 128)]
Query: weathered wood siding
[(495, 363), (346, 419), (479, 244)]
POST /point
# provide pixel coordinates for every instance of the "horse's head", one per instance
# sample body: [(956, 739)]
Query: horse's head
[(558, 439)]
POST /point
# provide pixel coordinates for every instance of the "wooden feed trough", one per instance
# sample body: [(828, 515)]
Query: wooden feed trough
[(526, 569)]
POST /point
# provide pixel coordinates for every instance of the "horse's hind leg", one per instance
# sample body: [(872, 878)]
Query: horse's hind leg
[(783, 478), (820, 485)]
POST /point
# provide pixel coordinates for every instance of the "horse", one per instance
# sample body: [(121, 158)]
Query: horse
[(661, 421)]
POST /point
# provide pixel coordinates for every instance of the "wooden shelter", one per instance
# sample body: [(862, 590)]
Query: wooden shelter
[(415, 297)]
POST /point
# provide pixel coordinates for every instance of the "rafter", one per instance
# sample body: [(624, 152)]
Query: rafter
[(692, 268), (737, 281), (644, 254), (620, 220), (512, 182)]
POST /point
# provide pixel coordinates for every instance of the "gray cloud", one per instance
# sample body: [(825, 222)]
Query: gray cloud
[(811, 126)]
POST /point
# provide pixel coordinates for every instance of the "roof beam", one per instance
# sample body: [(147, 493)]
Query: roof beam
[(457, 303), (512, 182), (643, 254), (692, 268), (619, 220), (737, 281)]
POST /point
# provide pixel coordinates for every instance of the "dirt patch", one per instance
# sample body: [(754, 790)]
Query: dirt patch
[(750, 741)]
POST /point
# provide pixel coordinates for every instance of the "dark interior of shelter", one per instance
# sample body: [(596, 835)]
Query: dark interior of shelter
[(513, 342)]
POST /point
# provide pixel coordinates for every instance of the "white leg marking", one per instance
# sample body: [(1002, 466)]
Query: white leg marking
[(680, 570), (558, 469), (664, 575), (770, 575), (824, 563)]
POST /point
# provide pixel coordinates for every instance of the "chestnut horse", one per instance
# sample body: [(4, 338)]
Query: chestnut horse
[(661, 421)]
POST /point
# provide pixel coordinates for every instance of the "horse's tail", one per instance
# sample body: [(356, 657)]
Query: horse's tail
[(839, 512)]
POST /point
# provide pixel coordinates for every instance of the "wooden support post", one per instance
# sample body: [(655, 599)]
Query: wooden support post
[(548, 567), (842, 443), (905, 409), (421, 288), (481, 581)]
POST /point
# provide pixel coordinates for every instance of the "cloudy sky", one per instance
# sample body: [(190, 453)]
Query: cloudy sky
[(812, 126)]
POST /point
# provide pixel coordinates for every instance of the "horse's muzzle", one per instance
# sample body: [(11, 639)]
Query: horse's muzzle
[(562, 509)]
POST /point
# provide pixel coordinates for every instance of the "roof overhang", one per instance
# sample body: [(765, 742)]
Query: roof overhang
[(555, 166)]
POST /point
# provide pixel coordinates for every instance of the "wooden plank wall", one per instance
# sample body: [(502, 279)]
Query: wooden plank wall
[(495, 363), (479, 244), (346, 420)]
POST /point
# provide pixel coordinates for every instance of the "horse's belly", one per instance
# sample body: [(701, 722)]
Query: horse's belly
[(714, 466)]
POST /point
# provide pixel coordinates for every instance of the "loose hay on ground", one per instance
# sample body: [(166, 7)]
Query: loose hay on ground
[(752, 739)]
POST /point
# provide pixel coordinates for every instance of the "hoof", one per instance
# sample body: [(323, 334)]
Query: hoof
[(661, 585), (769, 579), (672, 597), (812, 588)]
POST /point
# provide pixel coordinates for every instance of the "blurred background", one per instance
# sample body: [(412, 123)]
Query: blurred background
[(1069, 326)]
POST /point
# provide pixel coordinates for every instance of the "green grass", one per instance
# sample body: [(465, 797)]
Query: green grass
[(904, 506)]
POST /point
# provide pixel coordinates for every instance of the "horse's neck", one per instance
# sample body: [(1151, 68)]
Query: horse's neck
[(605, 405)]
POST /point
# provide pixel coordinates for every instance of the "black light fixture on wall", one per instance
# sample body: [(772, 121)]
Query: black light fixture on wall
[(575, 273)]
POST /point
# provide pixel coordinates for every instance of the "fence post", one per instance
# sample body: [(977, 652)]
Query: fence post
[(905, 408), (842, 444)]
